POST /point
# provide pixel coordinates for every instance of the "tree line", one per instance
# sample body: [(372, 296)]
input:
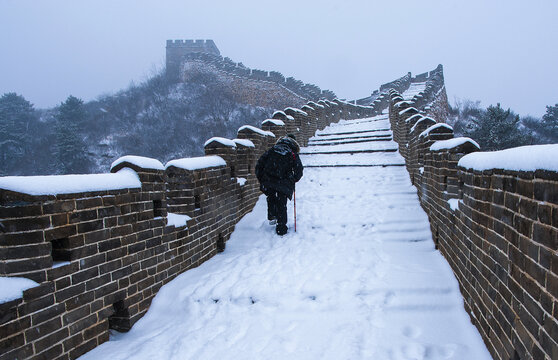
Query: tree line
[(165, 121), (156, 118), (496, 128)]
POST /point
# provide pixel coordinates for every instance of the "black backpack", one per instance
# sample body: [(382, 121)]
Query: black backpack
[(279, 164)]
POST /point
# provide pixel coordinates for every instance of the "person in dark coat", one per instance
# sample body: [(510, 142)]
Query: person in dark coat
[(277, 170)]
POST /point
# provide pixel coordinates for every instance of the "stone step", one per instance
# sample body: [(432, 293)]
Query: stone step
[(349, 141), (353, 132), (362, 136), (365, 151), (354, 165)]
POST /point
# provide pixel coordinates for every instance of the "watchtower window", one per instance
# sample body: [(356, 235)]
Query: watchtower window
[(60, 251), (220, 243), (233, 171), (157, 208), (120, 319), (197, 202)]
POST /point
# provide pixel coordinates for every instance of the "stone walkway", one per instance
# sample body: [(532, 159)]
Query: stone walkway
[(360, 279)]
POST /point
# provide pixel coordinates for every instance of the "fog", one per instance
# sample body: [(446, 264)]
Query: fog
[(493, 51)]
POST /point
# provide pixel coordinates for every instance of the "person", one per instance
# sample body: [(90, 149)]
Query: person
[(277, 170)]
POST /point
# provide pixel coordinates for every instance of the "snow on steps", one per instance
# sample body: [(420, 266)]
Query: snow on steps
[(361, 279)]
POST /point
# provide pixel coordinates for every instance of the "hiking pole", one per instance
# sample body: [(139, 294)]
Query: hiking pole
[(294, 199)]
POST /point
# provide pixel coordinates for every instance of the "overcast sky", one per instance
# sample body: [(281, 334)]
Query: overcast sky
[(493, 51)]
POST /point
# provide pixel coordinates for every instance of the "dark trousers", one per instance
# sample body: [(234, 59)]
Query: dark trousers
[(277, 208)]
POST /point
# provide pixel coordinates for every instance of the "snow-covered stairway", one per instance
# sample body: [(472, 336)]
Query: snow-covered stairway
[(360, 279), (361, 143)]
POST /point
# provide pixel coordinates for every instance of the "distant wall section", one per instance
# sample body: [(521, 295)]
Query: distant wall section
[(177, 49)]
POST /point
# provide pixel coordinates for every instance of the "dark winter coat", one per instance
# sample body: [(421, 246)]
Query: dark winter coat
[(279, 168)]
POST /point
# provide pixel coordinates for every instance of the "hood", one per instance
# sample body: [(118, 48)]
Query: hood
[(289, 142)]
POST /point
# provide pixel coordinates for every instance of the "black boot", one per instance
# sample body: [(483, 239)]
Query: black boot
[(281, 229)]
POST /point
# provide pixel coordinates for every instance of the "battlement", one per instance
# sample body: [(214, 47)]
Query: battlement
[(100, 246), (176, 49), (207, 46), (490, 217), (183, 55)]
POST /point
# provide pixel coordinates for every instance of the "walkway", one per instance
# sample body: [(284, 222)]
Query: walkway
[(360, 278)]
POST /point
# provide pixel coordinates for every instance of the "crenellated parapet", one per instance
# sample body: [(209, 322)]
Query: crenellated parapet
[(184, 55), (492, 216), (96, 248)]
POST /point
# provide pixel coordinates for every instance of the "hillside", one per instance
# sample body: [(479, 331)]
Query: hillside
[(162, 118)]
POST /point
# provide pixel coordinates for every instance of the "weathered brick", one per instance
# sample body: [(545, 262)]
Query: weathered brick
[(528, 208), (91, 261), (47, 314), (22, 238), (109, 244), (27, 265), (82, 349), (544, 213), (11, 343), (38, 331), (84, 227), (96, 236), (14, 327), (22, 252), (76, 314), (60, 232), (545, 235), (82, 324), (51, 353), (26, 224), (59, 207), (70, 292), (8, 212), (82, 216)]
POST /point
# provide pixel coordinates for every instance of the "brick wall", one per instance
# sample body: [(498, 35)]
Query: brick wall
[(114, 249), (498, 229), (240, 76)]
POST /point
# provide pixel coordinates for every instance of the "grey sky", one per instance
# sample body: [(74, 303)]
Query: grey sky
[(493, 51)]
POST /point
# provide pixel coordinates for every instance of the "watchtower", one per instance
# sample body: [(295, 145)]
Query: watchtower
[(176, 49)]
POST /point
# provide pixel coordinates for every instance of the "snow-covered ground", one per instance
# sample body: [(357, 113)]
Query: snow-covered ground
[(360, 279)]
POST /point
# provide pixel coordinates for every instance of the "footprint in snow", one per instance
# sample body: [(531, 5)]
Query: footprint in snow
[(412, 331)]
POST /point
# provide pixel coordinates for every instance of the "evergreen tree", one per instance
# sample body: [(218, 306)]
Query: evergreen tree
[(550, 123), (16, 115), (70, 146), (497, 129)]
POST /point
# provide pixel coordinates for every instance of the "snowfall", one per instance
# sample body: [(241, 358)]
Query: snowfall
[(359, 279)]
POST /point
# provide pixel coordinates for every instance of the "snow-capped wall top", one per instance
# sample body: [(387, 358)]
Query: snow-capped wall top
[(315, 105), (274, 122), (421, 120), (220, 140), (411, 118), (256, 130), (399, 103), (70, 184), (408, 109), (12, 288), (196, 163), (452, 143), (297, 111), (523, 158), (434, 127), (244, 142), (139, 161)]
